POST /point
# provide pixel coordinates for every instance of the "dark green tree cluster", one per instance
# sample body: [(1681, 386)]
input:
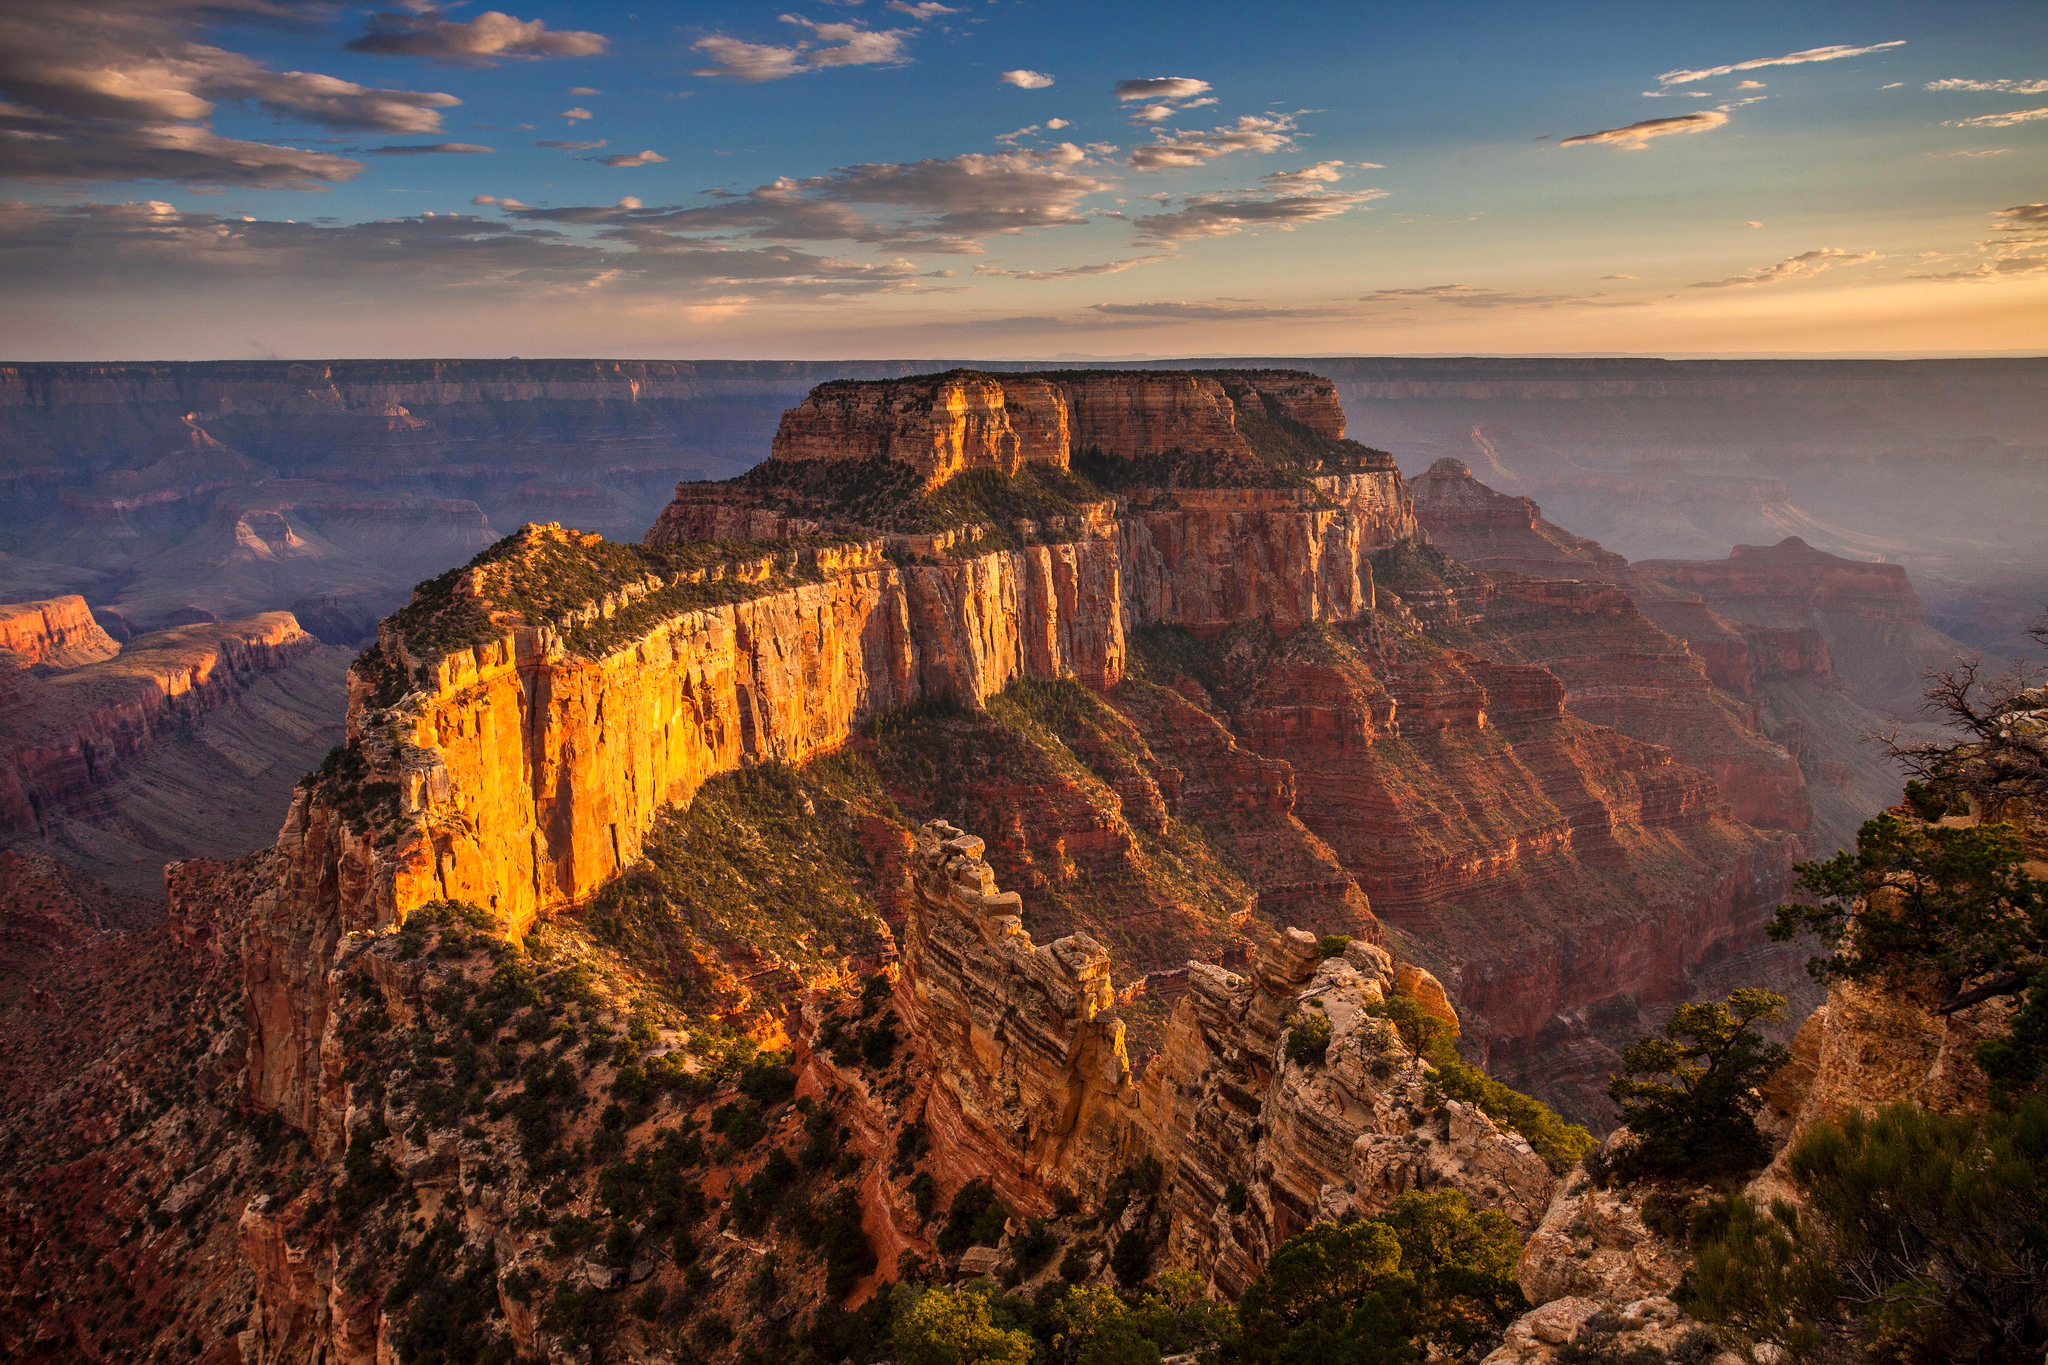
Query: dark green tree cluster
[(1429, 1272), (1922, 1238), (1689, 1098), (1917, 903)]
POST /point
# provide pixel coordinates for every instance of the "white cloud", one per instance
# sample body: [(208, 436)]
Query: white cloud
[(1055, 124), (835, 44), (133, 250), (2004, 87), (1749, 85), (1812, 54), (1161, 88), (629, 159), (1752, 223), (1026, 80), (1072, 272), (921, 10), (1225, 310), (2002, 120), (126, 89), (1636, 136), (1225, 215), (1305, 179), (1469, 296), (1152, 113), (935, 206), (1262, 133), (1803, 266), (575, 90), (2021, 248), (480, 42), (576, 115)]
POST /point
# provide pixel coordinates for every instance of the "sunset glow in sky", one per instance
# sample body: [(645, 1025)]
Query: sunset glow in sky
[(1000, 178)]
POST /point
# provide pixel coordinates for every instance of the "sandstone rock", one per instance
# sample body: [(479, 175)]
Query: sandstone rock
[(1031, 1088), (1491, 530), (58, 633), (976, 1262), (77, 728), (1428, 992), (1594, 1244)]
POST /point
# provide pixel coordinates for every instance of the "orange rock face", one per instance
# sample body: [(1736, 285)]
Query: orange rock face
[(940, 424), (945, 424), (58, 633)]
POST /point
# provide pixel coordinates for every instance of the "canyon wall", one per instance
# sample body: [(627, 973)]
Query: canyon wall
[(944, 424), (1032, 1090), (58, 633), (75, 730)]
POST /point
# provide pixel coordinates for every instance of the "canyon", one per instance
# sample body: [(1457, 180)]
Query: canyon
[(1266, 731), (120, 757)]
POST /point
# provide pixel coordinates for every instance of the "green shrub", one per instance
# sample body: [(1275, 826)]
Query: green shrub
[(1308, 1039), (975, 1218), (1923, 1239), (1689, 1098)]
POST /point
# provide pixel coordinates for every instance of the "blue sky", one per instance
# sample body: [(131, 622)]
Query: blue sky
[(259, 177)]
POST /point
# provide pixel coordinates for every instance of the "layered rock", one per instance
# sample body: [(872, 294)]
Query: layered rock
[(1289, 1142), (1491, 530), (79, 729), (55, 634), (949, 423), (1031, 1089), (1030, 1084), (1563, 880), (941, 425), (1866, 613)]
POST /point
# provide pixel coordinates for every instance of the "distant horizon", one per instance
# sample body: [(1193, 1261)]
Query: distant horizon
[(1067, 359)]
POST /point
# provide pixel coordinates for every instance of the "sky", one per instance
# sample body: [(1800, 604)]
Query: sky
[(1020, 179)]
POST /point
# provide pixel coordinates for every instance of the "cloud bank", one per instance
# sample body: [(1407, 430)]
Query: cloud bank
[(1803, 266), (1636, 136), (1812, 54), (480, 42)]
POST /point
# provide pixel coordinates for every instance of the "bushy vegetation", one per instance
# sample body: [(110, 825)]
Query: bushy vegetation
[(769, 857), (543, 580), (1689, 1098), (1921, 1238), (1918, 904), (1429, 1272), (1560, 1144)]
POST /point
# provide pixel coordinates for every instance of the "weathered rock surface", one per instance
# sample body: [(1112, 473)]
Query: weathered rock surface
[(1867, 613), (1030, 1084), (76, 730), (1031, 1089), (945, 424), (1494, 531), (58, 633)]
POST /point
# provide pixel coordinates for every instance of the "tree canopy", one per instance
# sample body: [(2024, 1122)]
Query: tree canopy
[(1689, 1098)]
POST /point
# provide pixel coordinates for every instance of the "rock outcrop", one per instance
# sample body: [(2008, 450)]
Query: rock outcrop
[(1490, 530), (1031, 1088), (1032, 1091), (942, 425), (1866, 613), (82, 726), (57, 634)]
